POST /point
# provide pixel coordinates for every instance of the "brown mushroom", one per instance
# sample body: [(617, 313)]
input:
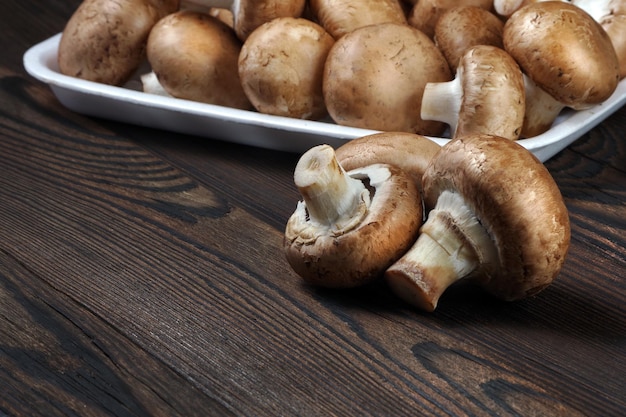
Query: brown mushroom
[(564, 51), (497, 217), (339, 17), (104, 41), (351, 226), (486, 96), (611, 15), (375, 76), (194, 56), (281, 67), (463, 27), (425, 13), (248, 15), (506, 8)]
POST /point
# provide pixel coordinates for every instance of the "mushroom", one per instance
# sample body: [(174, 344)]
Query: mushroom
[(425, 13), (541, 109), (463, 27), (339, 17), (497, 217), (104, 41), (248, 15), (350, 226), (611, 15), (281, 67), (486, 96), (564, 51), (407, 151), (375, 76), (194, 56)]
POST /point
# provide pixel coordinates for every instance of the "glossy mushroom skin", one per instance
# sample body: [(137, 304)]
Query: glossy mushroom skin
[(195, 57), (250, 14), (522, 220), (460, 28), (281, 67), (105, 41), (339, 17), (375, 76), (564, 51), (357, 246)]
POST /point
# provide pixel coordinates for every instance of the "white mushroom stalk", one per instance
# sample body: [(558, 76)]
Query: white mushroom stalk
[(451, 246), (333, 199)]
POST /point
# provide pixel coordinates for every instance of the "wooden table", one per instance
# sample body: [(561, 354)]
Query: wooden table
[(141, 273)]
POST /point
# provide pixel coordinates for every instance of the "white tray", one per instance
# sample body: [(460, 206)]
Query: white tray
[(127, 104)]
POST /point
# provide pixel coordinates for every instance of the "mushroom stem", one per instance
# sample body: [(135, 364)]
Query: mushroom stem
[(442, 101), (452, 245), (333, 199)]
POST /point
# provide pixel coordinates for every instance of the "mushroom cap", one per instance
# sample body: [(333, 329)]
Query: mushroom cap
[(349, 258), (425, 13), (105, 41), (375, 77), (250, 14), (339, 17), (516, 200), (194, 56), (409, 152), (281, 67), (463, 27), (564, 51), (493, 93)]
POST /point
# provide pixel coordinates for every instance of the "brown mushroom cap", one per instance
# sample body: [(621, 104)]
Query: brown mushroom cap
[(339, 17), (486, 96), (375, 76), (409, 152), (105, 41), (516, 202), (194, 56), (611, 15), (250, 14), (351, 251), (425, 13), (281, 67), (463, 27), (564, 51)]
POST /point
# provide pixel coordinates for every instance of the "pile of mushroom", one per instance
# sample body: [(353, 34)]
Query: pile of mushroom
[(495, 216), (388, 65)]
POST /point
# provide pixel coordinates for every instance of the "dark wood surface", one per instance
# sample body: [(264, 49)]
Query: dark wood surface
[(141, 273)]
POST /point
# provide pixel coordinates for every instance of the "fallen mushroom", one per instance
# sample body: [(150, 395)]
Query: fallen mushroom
[(351, 226), (248, 15), (463, 27), (281, 67), (486, 96), (564, 51), (194, 56), (104, 41), (425, 13), (375, 76), (497, 217), (611, 15), (339, 17)]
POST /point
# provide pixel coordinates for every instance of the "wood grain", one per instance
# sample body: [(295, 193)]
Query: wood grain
[(141, 273)]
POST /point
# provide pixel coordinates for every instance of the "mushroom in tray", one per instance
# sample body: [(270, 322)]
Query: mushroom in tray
[(497, 217), (104, 41), (566, 55), (486, 96), (350, 226)]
